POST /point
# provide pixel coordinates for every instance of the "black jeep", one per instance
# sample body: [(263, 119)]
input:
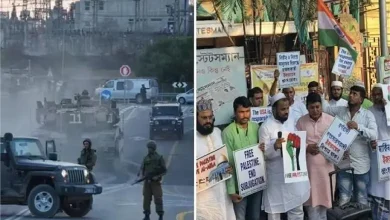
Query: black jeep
[(166, 118), (30, 176)]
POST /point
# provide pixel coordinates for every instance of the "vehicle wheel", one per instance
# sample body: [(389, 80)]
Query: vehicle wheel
[(139, 99), (77, 209), (43, 201), (182, 100)]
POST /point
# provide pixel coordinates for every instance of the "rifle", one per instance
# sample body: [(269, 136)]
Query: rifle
[(151, 175)]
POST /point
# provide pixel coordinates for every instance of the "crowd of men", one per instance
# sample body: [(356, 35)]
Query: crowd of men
[(289, 113)]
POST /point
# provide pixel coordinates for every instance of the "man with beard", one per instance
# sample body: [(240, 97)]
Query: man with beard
[(280, 197), (336, 93), (213, 203), (316, 123), (379, 192), (362, 121), (297, 108), (238, 135)]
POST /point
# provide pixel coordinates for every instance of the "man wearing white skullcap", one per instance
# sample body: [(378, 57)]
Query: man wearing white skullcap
[(275, 198), (212, 203), (336, 91), (379, 192), (363, 121)]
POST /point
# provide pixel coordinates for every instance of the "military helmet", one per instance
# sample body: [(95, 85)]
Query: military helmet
[(151, 144), (85, 92)]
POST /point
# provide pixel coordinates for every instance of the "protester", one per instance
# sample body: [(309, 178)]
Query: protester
[(213, 203), (280, 197), (297, 108), (314, 87), (256, 94), (362, 121), (238, 135), (336, 92), (316, 123), (379, 192)]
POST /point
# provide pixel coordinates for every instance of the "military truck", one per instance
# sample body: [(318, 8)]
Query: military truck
[(32, 177), (166, 118)]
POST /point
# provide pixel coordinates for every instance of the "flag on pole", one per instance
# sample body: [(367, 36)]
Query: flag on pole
[(330, 32)]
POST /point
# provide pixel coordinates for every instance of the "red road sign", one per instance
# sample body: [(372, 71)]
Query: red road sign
[(125, 70)]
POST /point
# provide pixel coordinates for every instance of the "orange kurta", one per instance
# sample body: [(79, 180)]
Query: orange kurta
[(317, 166)]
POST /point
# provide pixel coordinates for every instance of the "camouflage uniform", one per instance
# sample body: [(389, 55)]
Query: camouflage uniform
[(88, 156), (152, 187)]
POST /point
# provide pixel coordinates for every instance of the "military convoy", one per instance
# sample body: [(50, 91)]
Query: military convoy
[(166, 118), (83, 117), (33, 177)]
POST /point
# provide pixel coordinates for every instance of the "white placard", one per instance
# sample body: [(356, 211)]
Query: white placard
[(260, 114), (294, 157), (385, 91), (250, 170), (344, 63), (289, 67), (336, 141), (383, 155)]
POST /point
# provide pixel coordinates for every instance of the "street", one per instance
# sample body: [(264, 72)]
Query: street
[(119, 200)]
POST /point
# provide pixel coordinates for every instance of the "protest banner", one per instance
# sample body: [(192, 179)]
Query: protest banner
[(386, 96), (336, 141), (262, 76), (220, 76), (211, 169), (260, 114), (289, 67), (344, 63), (383, 69), (383, 155), (250, 170), (294, 157)]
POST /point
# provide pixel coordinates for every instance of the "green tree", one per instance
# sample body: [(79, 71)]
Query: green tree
[(168, 60)]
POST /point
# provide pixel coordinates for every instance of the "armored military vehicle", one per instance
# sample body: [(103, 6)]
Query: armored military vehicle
[(166, 118), (32, 177)]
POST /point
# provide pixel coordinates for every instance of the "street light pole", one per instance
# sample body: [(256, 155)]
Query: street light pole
[(383, 28)]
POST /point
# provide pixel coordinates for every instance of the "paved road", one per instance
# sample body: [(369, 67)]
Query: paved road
[(119, 200)]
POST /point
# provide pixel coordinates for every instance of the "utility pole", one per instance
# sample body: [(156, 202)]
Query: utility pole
[(177, 16), (383, 28)]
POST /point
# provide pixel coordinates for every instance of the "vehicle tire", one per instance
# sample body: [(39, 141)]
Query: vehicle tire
[(139, 99), (80, 210), (182, 100), (51, 203)]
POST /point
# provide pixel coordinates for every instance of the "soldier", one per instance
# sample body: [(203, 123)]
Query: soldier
[(85, 95), (88, 155), (153, 163), (143, 93)]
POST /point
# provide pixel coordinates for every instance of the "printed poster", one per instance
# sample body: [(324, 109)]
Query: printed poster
[(294, 157), (211, 169), (337, 140), (383, 69), (262, 76), (386, 96), (220, 75), (288, 65), (344, 63), (260, 114), (383, 155), (250, 170)]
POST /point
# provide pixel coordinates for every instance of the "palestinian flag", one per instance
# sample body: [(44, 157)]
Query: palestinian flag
[(330, 33)]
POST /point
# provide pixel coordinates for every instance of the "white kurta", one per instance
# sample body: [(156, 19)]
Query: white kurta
[(279, 197), (213, 203), (297, 110), (379, 189), (340, 102)]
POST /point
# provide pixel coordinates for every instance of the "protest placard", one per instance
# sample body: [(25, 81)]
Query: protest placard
[(289, 67), (260, 114), (250, 170), (383, 155), (336, 141), (294, 157), (344, 63), (382, 65), (386, 96), (211, 169)]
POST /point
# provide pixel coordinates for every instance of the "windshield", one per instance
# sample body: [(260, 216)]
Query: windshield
[(166, 110), (26, 148)]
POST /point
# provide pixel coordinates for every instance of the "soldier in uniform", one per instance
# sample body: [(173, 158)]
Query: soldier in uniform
[(88, 155), (153, 164), (143, 92)]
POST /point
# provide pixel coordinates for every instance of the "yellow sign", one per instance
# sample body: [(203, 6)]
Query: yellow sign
[(262, 76)]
